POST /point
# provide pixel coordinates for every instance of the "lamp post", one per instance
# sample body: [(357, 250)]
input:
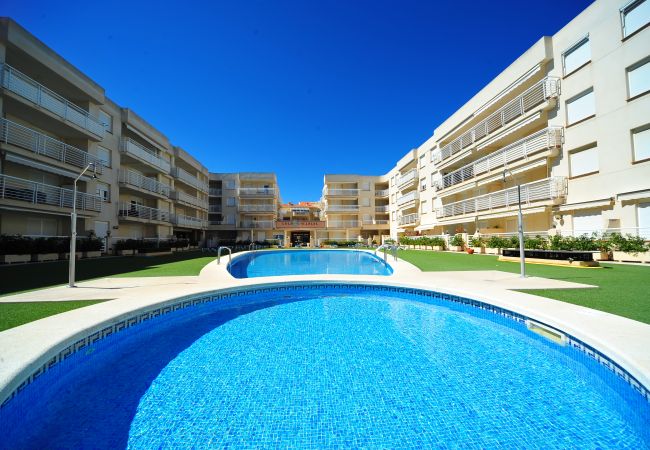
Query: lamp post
[(522, 257), (73, 226)]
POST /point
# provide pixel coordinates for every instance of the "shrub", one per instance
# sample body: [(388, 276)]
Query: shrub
[(496, 242), (438, 241), (15, 245), (629, 244), (457, 240), (476, 241), (535, 243)]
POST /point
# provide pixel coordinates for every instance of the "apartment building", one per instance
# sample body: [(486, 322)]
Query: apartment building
[(300, 224)]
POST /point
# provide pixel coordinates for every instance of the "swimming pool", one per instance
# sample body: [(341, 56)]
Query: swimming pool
[(307, 262), (328, 365)]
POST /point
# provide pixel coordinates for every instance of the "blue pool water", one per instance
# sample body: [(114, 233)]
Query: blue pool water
[(307, 262), (322, 368)]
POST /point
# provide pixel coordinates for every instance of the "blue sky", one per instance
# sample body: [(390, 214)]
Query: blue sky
[(300, 88)]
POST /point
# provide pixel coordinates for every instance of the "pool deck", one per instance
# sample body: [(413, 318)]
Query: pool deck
[(25, 348)]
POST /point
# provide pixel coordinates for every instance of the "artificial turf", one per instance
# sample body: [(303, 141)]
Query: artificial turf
[(14, 314), (622, 289)]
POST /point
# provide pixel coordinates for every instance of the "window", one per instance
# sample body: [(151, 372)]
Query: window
[(584, 162), (230, 201), (587, 223), (392, 216), (423, 184), (638, 78), (422, 161), (104, 155), (643, 217), (580, 107), (365, 186), (576, 56), (634, 16), (641, 144), (230, 184), (392, 180), (107, 120), (103, 191), (433, 153), (424, 207)]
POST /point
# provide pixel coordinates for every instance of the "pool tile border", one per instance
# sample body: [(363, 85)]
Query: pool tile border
[(204, 298)]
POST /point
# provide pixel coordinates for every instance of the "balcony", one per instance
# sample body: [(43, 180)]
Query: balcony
[(257, 192), (306, 224), (144, 154), (257, 208), (342, 208), (375, 223), (407, 178), (409, 219), (336, 192), (548, 189), (130, 178), (20, 84), (342, 224), (215, 192), (189, 221), (267, 224), (188, 199), (132, 211), (12, 188), (40, 144), (382, 209), (408, 198), (382, 193), (229, 222), (188, 178), (213, 209), (546, 139), (534, 96)]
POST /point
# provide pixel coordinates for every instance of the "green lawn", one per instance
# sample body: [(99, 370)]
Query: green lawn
[(622, 289), (22, 277), (14, 314)]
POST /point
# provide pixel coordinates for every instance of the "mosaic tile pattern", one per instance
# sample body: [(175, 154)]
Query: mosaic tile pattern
[(328, 367)]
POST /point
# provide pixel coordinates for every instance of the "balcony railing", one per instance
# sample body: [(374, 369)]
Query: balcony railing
[(257, 192), (19, 83), (342, 208), (257, 224), (410, 197), (382, 193), (134, 211), (534, 96), (23, 137), (215, 208), (216, 192), (188, 178), (523, 148), (342, 223), (546, 189), (188, 221), (407, 177), (257, 208), (409, 219), (282, 224), (131, 178), (375, 222), (382, 209), (12, 188), (192, 200), (223, 222), (144, 154), (336, 192)]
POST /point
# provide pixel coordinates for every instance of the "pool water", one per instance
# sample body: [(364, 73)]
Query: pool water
[(325, 368), (307, 262)]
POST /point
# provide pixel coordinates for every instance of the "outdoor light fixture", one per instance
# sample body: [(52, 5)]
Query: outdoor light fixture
[(73, 226), (522, 257)]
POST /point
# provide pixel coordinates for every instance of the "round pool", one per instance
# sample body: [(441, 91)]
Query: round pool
[(328, 366), (307, 262)]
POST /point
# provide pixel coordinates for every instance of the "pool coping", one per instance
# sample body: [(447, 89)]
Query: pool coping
[(25, 350)]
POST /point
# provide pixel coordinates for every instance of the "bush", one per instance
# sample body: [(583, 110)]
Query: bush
[(629, 244), (535, 243), (457, 241), (15, 245), (476, 241), (496, 242), (438, 241)]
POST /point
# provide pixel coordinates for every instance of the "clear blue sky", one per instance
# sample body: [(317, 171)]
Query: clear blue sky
[(300, 88)]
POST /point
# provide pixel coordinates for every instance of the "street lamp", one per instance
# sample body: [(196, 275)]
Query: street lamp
[(522, 257), (73, 226)]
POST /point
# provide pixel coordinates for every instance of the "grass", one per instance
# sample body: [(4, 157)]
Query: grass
[(14, 314), (621, 289), (26, 277)]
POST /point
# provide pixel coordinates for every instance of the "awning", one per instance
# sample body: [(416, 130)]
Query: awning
[(45, 167), (429, 226), (634, 197), (594, 204)]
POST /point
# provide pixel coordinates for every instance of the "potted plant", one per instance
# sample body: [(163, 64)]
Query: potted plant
[(604, 249), (46, 249), (457, 244), (438, 243), (476, 244), (629, 248), (494, 244), (91, 247), (15, 249)]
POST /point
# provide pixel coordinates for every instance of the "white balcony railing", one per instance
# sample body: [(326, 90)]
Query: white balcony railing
[(257, 208), (407, 177), (336, 192), (144, 154), (547, 189), (342, 208), (188, 221), (342, 224), (131, 178), (188, 178), (534, 96), (375, 222), (12, 188), (542, 140), (382, 193), (409, 219), (230, 222), (257, 192), (19, 83), (134, 211), (382, 209), (268, 224), (188, 199), (410, 197), (23, 137), (215, 192), (215, 208)]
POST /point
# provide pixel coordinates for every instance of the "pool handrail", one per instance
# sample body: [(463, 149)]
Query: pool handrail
[(392, 248), (219, 254)]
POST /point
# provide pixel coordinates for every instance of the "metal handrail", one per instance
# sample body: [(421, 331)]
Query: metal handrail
[(130, 177), (150, 156), (393, 249), (219, 254)]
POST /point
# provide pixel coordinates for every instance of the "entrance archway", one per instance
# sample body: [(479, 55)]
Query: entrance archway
[(299, 238)]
